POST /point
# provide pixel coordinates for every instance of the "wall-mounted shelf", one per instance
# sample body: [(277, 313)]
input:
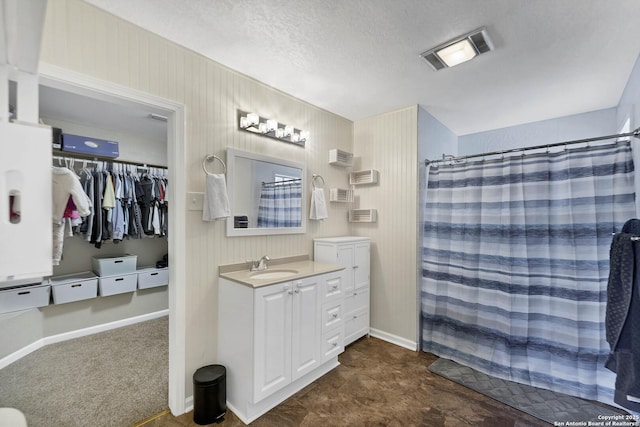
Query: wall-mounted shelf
[(340, 195), (363, 215), (369, 176), (340, 158)]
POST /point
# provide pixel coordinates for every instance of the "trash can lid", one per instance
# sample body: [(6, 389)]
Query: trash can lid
[(210, 374)]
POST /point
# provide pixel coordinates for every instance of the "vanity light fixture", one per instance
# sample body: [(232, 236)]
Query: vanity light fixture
[(459, 50), (252, 122)]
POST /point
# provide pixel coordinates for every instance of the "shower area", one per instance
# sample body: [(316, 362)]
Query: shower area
[(515, 261)]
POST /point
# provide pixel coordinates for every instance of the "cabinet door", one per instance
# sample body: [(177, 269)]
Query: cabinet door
[(25, 180), (361, 265), (345, 257), (272, 363), (307, 326)]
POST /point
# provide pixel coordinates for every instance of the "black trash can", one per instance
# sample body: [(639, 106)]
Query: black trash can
[(209, 394)]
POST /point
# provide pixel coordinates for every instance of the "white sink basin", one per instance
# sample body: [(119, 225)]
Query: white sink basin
[(273, 274)]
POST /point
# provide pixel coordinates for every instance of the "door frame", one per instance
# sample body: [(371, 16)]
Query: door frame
[(82, 84)]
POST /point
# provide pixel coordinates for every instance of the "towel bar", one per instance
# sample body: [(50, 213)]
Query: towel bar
[(210, 158), (313, 181)]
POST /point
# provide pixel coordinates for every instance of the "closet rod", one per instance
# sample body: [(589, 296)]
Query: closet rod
[(635, 133), (97, 160)]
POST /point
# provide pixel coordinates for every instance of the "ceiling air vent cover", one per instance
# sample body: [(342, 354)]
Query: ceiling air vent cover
[(458, 50)]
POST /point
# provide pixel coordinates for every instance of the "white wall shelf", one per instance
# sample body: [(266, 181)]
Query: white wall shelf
[(363, 215), (369, 176), (340, 195), (340, 158)]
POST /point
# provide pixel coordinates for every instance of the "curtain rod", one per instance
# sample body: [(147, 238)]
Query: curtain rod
[(289, 181), (635, 133)]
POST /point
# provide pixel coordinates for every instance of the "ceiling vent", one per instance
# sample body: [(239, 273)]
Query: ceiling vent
[(458, 50)]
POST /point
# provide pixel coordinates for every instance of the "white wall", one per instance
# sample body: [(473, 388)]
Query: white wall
[(629, 105), (389, 144), (629, 108), (434, 138), (85, 39), (579, 126)]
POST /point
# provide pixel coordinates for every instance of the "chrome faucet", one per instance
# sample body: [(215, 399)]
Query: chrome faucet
[(261, 264)]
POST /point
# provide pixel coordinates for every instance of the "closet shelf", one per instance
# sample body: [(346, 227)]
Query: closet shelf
[(363, 215), (340, 158), (340, 195), (369, 176)]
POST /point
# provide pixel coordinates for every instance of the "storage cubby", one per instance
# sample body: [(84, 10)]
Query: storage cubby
[(369, 176), (340, 195), (340, 158), (363, 215)]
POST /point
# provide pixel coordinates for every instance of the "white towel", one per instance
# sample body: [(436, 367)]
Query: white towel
[(318, 209), (216, 201)]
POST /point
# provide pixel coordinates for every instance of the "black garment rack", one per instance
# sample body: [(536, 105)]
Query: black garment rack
[(445, 158)]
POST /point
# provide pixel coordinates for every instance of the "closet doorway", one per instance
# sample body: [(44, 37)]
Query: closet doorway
[(150, 131)]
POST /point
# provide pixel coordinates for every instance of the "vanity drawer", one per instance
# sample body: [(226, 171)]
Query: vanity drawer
[(356, 300), (356, 325), (113, 285), (332, 343), (332, 288), (332, 315)]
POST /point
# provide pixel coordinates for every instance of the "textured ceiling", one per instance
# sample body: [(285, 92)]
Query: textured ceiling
[(358, 58)]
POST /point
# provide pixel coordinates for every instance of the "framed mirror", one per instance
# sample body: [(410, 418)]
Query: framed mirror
[(266, 195)]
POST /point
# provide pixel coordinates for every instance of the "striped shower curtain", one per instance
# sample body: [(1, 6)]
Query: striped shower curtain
[(515, 262), (280, 205)]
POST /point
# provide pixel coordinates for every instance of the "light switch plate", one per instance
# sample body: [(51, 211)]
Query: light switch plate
[(195, 201)]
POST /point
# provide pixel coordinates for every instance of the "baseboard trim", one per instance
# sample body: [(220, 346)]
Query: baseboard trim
[(17, 355), (393, 339)]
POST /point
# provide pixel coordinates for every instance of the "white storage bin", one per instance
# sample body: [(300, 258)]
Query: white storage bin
[(152, 277), (74, 287), (25, 297), (117, 284), (111, 265)]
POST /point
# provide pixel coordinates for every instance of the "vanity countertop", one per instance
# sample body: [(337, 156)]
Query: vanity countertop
[(303, 266)]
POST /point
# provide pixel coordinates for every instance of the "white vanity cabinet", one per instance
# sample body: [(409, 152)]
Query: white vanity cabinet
[(353, 253), (272, 339)]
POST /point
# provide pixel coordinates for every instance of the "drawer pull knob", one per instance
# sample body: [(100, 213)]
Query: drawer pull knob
[(335, 315), (335, 286), (119, 279), (118, 261), (335, 344), (355, 293), (24, 293), (153, 274), (76, 285)]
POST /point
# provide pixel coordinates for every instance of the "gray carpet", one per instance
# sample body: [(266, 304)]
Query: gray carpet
[(114, 378), (543, 404)]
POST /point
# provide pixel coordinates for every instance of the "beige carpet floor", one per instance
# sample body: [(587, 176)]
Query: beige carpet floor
[(114, 378)]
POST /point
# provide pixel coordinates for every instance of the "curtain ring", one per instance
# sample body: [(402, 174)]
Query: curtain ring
[(313, 181), (210, 158)]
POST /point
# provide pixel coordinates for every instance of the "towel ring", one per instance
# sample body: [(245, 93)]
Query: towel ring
[(313, 181), (210, 158)]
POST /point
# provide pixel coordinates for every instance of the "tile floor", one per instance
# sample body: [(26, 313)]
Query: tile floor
[(379, 384)]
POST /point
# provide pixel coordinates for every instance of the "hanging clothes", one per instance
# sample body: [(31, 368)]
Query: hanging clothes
[(623, 315), (65, 187)]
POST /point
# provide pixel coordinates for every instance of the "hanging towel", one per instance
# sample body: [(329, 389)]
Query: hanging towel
[(318, 209), (216, 201)]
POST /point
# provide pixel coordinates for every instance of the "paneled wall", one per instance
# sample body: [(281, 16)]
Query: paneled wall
[(389, 144), (88, 40)]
